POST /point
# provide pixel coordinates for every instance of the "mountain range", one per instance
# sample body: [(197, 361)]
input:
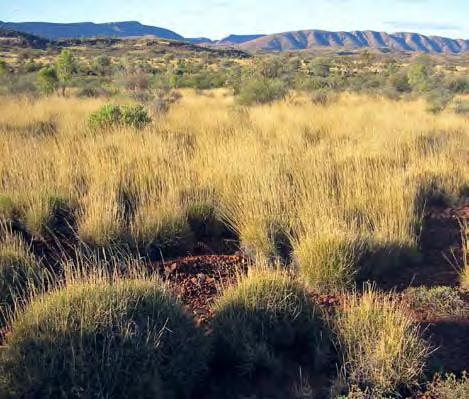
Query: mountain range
[(55, 31), (303, 40)]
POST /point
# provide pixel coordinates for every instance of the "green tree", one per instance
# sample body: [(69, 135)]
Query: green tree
[(418, 77), (47, 80), (102, 65), (66, 67), (262, 91), (320, 67)]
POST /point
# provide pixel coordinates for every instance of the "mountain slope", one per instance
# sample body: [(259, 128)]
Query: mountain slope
[(54, 31), (287, 41), (311, 39), (231, 40), (20, 39), (238, 39)]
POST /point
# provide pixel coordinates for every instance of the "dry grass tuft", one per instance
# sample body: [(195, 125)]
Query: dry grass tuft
[(380, 342)]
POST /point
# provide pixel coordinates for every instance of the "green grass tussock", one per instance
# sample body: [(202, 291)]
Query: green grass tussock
[(266, 321), (98, 339)]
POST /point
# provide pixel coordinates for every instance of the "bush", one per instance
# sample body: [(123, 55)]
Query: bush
[(107, 116), (264, 321), (457, 84), (438, 100), (19, 274), (102, 340), (47, 80), (323, 97), (114, 115), (461, 107), (135, 116), (449, 387), (399, 82), (439, 302), (262, 91), (380, 343)]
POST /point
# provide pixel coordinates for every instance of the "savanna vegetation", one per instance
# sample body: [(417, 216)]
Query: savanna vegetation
[(332, 178)]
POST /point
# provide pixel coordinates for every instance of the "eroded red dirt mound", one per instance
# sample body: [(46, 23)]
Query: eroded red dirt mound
[(198, 280)]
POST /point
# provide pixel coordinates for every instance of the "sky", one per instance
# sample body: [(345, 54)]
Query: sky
[(219, 18)]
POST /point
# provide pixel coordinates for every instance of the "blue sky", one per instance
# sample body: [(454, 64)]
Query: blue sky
[(218, 18)]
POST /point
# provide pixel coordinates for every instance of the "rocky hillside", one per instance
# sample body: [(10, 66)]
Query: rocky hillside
[(11, 38), (288, 41), (311, 39), (54, 31)]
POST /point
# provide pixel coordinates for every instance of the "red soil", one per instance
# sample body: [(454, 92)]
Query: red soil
[(197, 280)]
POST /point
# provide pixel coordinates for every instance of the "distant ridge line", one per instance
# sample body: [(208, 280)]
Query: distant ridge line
[(302, 40)]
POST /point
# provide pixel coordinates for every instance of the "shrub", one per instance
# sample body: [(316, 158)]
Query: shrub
[(135, 116), (262, 91), (265, 320), (461, 107), (107, 116), (439, 302), (19, 274), (123, 339), (380, 343), (47, 80), (323, 97), (457, 84), (438, 100), (399, 82), (114, 115), (449, 387)]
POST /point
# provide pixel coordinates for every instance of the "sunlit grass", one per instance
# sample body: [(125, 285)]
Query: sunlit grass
[(316, 185)]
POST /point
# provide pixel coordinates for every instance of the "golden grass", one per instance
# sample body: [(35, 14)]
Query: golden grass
[(380, 342), (335, 180)]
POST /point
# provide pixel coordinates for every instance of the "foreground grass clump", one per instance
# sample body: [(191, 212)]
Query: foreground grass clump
[(265, 321), (102, 340), (381, 345), (20, 273)]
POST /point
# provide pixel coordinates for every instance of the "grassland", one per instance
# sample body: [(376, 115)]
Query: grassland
[(311, 194)]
